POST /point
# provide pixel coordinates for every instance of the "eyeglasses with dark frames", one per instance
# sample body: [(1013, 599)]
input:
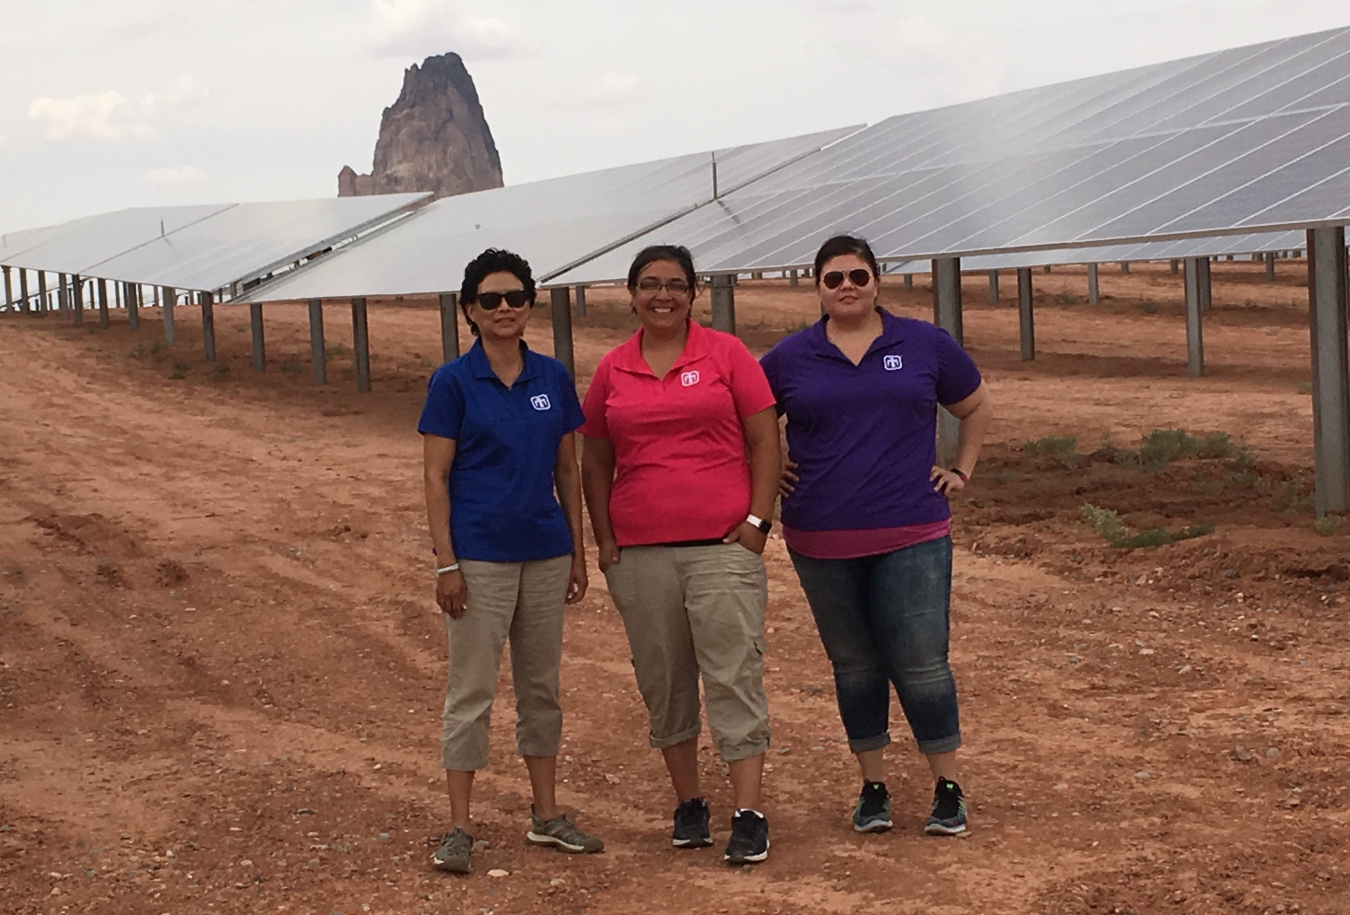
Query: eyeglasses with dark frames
[(491, 301), (651, 285), (835, 278)]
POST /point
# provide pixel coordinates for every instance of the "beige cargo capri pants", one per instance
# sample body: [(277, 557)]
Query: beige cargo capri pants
[(692, 610), (525, 601)]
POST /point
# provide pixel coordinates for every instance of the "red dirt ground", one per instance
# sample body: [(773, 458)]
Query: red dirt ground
[(221, 668)]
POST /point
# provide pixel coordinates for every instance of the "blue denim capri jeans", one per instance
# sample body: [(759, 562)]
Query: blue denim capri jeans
[(885, 620)]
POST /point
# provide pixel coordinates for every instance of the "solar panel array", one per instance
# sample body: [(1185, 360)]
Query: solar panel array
[(554, 223), (1255, 139), (198, 247)]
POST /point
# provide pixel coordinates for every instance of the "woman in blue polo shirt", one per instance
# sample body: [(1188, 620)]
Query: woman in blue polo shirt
[(865, 514), (498, 442)]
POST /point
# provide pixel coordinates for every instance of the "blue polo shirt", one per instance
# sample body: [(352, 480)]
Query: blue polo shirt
[(502, 504), (864, 436)]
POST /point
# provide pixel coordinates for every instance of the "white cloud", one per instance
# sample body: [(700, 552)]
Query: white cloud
[(183, 174), (108, 115), (417, 28)]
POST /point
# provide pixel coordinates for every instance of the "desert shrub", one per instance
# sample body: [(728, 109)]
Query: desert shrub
[(1063, 448), (1148, 307), (1107, 523), (1328, 525)]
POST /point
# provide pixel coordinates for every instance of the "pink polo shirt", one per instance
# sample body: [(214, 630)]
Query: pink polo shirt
[(682, 472)]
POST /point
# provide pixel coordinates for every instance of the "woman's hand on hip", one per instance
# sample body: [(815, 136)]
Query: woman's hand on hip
[(576, 581), (452, 593), (607, 554), (946, 481), (748, 536), (787, 483)]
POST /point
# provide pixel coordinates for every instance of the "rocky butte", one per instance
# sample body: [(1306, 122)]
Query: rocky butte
[(434, 138)]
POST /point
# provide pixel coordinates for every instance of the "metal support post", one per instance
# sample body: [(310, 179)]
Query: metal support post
[(1124, 266), (103, 304), (133, 305), (361, 343), (255, 320), (993, 287), (77, 298), (1174, 265), (1094, 288), (1195, 342), (208, 303), (1045, 269), (1331, 386), (449, 326), (43, 304), (318, 351), (792, 277), (724, 303), (909, 281), (23, 289), (170, 296), (9, 291), (581, 301), (560, 298), (1270, 266), (1026, 313), (1206, 289), (947, 315), (62, 282)]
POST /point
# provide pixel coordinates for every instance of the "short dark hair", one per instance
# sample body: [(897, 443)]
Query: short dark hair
[(841, 245), (678, 254), (493, 260)]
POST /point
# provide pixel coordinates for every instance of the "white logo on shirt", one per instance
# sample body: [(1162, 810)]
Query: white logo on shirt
[(893, 363), (689, 379), (540, 402)]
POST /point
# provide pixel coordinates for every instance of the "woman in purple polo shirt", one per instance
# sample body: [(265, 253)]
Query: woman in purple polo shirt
[(865, 514)]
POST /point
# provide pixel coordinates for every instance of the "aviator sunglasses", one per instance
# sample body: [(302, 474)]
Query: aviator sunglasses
[(835, 278), (489, 301)]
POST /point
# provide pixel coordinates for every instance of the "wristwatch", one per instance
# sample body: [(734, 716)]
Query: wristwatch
[(763, 526)]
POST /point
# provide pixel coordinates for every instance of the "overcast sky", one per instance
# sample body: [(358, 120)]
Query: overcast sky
[(105, 105)]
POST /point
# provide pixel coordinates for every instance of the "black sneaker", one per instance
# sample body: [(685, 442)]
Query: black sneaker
[(873, 813), (691, 825), (749, 838), (453, 855), (949, 810)]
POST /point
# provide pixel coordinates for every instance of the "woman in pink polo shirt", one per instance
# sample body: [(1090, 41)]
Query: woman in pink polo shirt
[(680, 466)]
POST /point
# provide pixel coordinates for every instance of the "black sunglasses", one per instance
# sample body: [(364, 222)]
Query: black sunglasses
[(835, 278), (517, 298)]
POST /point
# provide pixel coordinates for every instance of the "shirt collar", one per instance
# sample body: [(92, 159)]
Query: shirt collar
[(482, 369), (628, 357), (892, 332)]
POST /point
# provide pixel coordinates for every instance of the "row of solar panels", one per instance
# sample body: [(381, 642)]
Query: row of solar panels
[(1225, 152)]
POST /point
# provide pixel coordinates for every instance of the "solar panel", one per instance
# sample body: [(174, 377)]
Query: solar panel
[(197, 247), (1225, 143), (554, 223)]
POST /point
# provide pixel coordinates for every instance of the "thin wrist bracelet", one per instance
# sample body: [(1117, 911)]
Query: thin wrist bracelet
[(452, 567), (962, 474)]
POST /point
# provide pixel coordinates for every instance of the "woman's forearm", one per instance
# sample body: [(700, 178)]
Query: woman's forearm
[(438, 520), (567, 481), (597, 481), (970, 437), (766, 461)]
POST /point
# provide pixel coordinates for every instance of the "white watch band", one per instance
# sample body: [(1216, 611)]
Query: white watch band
[(759, 522)]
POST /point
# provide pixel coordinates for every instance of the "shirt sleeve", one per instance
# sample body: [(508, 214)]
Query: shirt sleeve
[(596, 423), (771, 363), (957, 375), (749, 386), (571, 406), (443, 412)]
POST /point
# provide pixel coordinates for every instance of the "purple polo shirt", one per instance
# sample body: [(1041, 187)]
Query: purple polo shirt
[(864, 436)]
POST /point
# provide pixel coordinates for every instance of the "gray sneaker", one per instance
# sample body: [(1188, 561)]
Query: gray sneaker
[(562, 835), (873, 811), (453, 855)]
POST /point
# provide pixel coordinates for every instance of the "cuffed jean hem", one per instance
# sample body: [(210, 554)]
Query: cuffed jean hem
[(944, 745), (733, 754), (662, 743), (868, 744)]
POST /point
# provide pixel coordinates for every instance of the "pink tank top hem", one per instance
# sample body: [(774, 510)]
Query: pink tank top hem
[(856, 544)]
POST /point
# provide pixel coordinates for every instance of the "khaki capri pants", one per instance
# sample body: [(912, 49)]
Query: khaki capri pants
[(522, 601), (694, 611)]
